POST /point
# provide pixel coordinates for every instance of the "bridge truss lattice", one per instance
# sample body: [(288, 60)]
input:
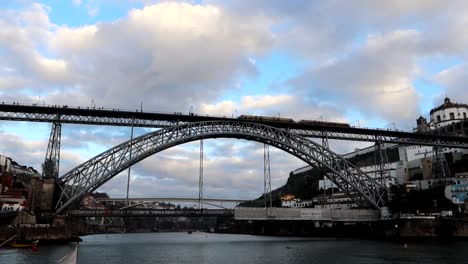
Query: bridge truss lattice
[(90, 175), (116, 117)]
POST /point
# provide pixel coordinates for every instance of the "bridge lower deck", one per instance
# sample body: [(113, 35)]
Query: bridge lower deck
[(307, 214), (151, 213), (243, 213)]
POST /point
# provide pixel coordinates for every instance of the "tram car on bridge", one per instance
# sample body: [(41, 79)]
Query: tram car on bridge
[(290, 120), (265, 118), (323, 123)]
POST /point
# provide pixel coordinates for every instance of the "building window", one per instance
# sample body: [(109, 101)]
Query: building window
[(464, 115), (438, 118), (452, 116)]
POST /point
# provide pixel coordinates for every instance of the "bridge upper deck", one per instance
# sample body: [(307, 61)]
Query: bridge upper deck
[(138, 118)]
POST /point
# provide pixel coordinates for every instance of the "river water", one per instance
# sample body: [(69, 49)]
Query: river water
[(225, 249)]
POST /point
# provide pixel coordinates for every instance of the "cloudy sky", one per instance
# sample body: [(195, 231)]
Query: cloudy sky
[(368, 63)]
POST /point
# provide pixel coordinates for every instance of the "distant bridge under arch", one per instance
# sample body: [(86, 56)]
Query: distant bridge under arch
[(90, 175)]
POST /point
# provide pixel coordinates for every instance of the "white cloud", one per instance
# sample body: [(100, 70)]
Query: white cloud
[(364, 56), (225, 108), (232, 169), (284, 105), (265, 101), (375, 79), (23, 34), (31, 152), (368, 53), (169, 55), (77, 2), (455, 80), (159, 55), (11, 82), (93, 11), (248, 104)]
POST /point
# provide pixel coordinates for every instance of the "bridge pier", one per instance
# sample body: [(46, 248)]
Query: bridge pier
[(50, 168), (267, 179)]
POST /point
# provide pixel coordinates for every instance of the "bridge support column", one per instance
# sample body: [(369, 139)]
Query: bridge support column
[(440, 169), (50, 167), (326, 196), (200, 178), (266, 179), (382, 162), (129, 168)]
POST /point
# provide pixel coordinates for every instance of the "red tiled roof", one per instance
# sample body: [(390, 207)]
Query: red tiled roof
[(448, 104)]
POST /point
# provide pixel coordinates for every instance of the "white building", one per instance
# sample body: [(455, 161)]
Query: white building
[(5, 164), (411, 162), (296, 203), (448, 113)]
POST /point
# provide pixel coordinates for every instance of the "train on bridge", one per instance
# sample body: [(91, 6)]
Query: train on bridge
[(257, 118)]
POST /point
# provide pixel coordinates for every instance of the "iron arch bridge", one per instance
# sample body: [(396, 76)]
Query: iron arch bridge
[(90, 175)]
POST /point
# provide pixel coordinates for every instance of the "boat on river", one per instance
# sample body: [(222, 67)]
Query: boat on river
[(23, 244)]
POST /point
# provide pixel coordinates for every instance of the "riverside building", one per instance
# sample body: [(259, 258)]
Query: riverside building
[(421, 166)]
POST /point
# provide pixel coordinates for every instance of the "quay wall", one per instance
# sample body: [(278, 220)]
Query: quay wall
[(428, 228), (434, 228), (70, 230)]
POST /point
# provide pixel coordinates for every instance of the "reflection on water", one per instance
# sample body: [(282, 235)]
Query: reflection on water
[(222, 248)]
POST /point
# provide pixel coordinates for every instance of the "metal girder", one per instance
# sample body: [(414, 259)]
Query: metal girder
[(93, 173), (384, 136), (50, 168), (266, 177), (440, 168), (188, 200), (200, 178), (86, 119), (116, 117), (151, 213), (136, 205)]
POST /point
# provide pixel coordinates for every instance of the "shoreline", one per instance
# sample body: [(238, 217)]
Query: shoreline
[(399, 229)]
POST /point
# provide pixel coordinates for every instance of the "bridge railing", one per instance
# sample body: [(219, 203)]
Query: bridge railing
[(149, 212), (136, 110), (102, 108), (308, 214)]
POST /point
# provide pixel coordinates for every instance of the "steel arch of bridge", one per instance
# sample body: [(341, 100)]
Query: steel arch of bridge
[(93, 173)]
